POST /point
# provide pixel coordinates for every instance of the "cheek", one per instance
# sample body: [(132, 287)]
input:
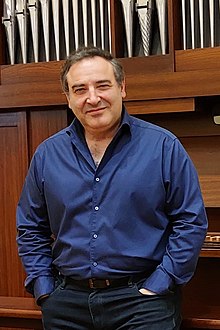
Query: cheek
[(76, 105), (108, 97)]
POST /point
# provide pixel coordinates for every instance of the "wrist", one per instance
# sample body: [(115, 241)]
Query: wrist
[(42, 298)]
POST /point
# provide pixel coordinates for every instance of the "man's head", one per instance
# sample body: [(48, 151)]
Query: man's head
[(90, 52), (94, 85)]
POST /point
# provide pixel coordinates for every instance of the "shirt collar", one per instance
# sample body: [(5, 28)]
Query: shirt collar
[(77, 128)]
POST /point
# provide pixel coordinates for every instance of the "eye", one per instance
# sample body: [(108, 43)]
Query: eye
[(79, 90), (103, 86)]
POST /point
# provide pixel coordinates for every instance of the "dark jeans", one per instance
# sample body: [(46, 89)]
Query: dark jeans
[(124, 308)]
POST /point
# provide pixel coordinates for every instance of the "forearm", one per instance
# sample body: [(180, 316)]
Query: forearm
[(35, 253)]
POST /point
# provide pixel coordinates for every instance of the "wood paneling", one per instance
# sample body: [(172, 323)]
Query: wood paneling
[(13, 168), (31, 72), (38, 84), (162, 106), (19, 313), (31, 94), (205, 153), (155, 84), (197, 59), (140, 86), (177, 27), (43, 124), (213, 214), (200, 324), (201, 138), (196, 123), (116, 29), (173, 85), (201, 295), (134, 66)]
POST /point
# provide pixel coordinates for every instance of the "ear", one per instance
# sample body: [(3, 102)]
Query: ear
[(123, 90), (68, 99)]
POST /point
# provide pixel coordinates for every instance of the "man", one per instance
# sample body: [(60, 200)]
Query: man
[(111, 219)]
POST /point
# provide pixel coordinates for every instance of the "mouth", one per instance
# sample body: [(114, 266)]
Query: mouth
[(95, 110)]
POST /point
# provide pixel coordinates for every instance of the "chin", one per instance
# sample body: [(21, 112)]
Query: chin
[(100, 124)]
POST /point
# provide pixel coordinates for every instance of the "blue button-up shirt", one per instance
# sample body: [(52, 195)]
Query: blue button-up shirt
[(140, 210)]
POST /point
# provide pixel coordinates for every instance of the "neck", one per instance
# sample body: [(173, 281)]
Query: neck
[(98, 142), (101, 136)]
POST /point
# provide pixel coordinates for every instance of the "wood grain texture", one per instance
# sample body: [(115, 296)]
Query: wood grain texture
[(44, 90), (201, 139), (201, 305), (13, 168), (200, 323), (199, 59), (42, 124), (161, 89), (160, 106), (205, 153), (19, 307)]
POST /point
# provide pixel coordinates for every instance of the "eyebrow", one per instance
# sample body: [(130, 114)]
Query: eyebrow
[(97, 82), (103, 81)]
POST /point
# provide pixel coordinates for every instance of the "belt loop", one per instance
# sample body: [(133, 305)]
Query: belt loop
[(91, 284)]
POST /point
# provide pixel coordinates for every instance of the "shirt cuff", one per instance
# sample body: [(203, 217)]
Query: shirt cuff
[(43, 285), (159, 282)]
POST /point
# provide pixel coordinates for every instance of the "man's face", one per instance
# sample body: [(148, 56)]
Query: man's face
[(94, 95)]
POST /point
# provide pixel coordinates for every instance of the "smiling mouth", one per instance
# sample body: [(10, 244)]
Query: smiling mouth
[(95, 110)]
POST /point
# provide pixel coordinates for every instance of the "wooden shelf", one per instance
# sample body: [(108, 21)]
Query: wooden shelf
[(160, 106), (210, 253), (19, 312), (211, 242), (201, 323)]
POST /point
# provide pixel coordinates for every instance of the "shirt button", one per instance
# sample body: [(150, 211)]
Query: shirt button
[(95, 264), (96, 208), (97, 179), (95, 236)]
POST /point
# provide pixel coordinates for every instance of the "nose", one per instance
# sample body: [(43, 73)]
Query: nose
[(93, 97)]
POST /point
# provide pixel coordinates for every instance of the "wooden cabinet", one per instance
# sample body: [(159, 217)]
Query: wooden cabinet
[(178, 91), (13, 165), (20, 133), (200, 136)]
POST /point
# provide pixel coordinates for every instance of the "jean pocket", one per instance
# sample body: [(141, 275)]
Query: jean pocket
[(138, 286), (59, 287)]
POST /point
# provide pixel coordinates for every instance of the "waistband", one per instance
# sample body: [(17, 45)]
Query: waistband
[(98, 283)]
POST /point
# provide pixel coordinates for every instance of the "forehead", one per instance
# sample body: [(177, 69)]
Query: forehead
[(94, 68)]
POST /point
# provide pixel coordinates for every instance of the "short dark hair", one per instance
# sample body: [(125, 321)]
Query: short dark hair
[(90, 52)]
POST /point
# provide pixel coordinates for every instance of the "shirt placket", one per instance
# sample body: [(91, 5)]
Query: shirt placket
[(95, 218)]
